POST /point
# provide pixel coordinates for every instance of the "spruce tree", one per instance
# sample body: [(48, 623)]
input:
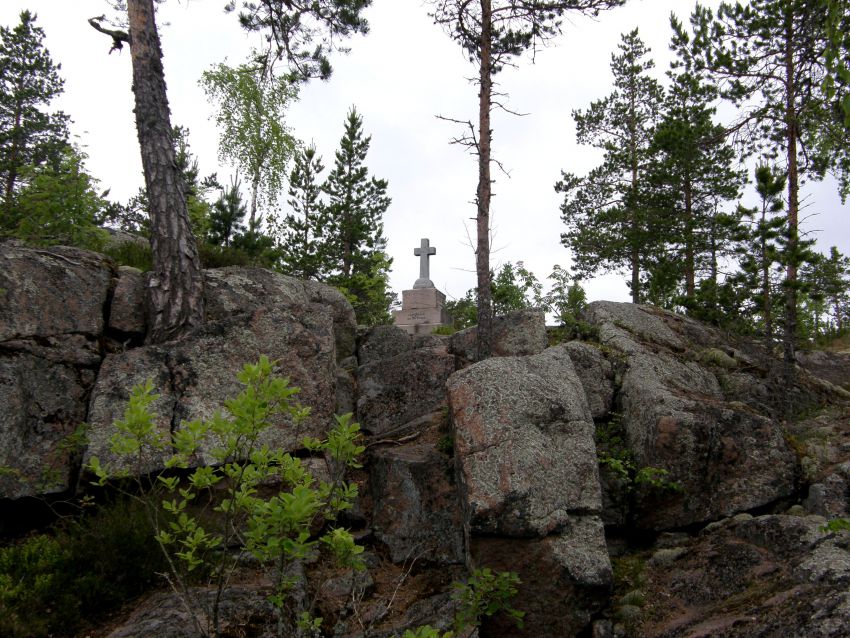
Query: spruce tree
[(226, 215), (30, 135), (356, 204), (302, 246), (609, 222), (760, 250)]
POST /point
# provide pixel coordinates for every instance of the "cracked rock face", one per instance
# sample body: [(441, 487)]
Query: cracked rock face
[(52, 308), (678, 416), (524, 444), (529, 487), (195, 376)]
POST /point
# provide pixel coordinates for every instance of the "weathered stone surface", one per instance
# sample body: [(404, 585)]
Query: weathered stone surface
[(726, 457), (42, 403), (752, 576), (52, 303), (238, 290), (565, 578), (437, 611), (382, 342), (524, 444), (394, 391), (196, 375), (831, 496), (632, 321), (514, 335), (244, 611), (345, 390), (342, 314), (127, 310), (79, 350), (416, 511), (47, 292), (831, 366), (596, 374), (118, 375)]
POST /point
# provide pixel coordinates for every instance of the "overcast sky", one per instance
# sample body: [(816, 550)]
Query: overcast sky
[(400, 76)]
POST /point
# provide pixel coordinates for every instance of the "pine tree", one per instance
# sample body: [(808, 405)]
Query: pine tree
[(836, 286), (302, 244), (175, 296), (770, 55), (29, 81), (609, 222), (691, 171), (493, 32), (355, 231), (826, 291)]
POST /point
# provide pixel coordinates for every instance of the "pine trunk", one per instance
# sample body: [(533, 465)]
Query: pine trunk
[(12, 177), (765, 282), (634, 222), (789, 338), (690, 266), (482, 254), (175, 294)]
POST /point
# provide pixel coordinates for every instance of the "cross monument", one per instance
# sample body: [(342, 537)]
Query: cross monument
[(422, 307), (424, 252)]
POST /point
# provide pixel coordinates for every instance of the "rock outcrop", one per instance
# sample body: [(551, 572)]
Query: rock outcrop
[(726, 456), (530, 461), (529, 485), (774, 575), (250, 312), (53, 309), (519, 333)]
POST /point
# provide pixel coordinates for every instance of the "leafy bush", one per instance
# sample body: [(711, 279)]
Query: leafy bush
[(615, 456), (277, 530), (52, 584), (485, 594)]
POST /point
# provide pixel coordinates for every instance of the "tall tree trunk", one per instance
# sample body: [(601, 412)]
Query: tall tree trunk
[(635, 231), (767, 312), (14, 160), (175, 294), (690, 266), (633, 196), (482, 254), (255, 191), (789, 339)]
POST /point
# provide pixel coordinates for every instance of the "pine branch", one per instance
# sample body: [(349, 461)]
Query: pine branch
[(118, 37)]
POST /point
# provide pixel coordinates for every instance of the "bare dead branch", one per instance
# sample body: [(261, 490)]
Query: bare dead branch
[(118, 37)]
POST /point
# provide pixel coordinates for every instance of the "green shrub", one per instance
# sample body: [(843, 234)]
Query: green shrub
[(444, 330), (277, 530), (53, 584), (615, 457), (485, 594), (131, 253)]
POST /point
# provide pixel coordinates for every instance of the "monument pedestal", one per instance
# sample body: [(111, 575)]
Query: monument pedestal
[(422, 307), (422, 310)]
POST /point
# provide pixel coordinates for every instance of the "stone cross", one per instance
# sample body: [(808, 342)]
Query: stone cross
[(424, 251)]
